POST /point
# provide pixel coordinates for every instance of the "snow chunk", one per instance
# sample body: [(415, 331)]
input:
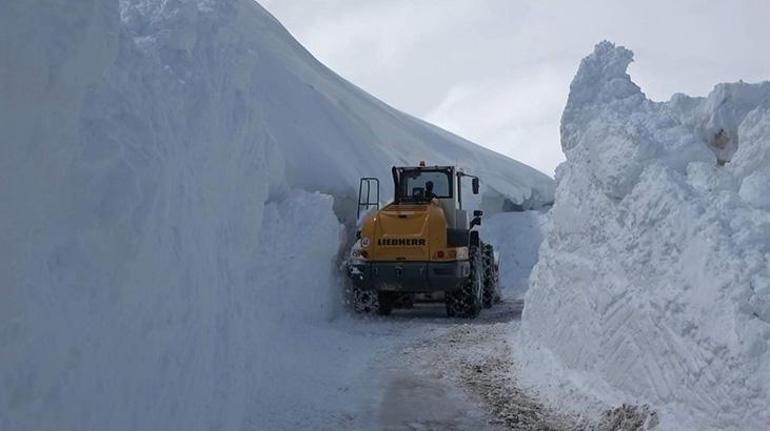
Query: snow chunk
[(653, 279), (754, 190)]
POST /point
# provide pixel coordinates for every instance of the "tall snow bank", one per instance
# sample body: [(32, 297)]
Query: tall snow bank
[(162, 238), (653, 283), (330, 132)]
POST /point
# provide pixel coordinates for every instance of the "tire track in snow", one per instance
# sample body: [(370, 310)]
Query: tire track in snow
[(457, 374)]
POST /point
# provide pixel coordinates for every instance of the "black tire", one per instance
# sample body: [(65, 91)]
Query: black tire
[(467, 301), (365, 301), (475, 293), (491, 285), (453, 304), (448, 303)]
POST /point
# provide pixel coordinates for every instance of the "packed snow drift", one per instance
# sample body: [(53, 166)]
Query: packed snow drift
[(653, 284), (516, 237), (173, 177)]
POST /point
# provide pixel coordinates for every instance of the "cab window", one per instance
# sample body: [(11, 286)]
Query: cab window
[(414, 183)]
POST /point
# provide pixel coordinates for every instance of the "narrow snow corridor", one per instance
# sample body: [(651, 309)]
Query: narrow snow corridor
[(178, 187), (416, 369)]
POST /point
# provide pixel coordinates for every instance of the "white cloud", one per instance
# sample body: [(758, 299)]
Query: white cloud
[(498, 71), (513, 116)]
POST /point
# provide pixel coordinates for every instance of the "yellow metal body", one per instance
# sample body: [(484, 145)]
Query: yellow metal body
[(408, 233)]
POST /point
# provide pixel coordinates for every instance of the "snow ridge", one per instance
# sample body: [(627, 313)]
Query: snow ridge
[(653, 284)]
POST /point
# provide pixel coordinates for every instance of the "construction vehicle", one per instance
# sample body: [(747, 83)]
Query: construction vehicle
[(421, 245)]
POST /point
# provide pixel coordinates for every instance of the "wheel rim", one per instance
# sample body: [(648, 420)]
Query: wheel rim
[(366, 301)]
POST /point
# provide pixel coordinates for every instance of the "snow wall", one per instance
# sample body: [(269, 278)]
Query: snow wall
[(169, 176), (653, 284), (516, 237)]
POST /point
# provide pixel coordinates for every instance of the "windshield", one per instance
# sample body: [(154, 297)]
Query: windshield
[(422, 184)]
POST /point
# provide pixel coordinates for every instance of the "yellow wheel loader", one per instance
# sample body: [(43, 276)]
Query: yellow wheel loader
[(421, 245)]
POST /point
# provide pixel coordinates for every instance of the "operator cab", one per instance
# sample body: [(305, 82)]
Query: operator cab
[(422, 184)]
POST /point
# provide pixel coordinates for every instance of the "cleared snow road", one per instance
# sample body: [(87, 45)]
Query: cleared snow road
[(434, 373), (413, 370)]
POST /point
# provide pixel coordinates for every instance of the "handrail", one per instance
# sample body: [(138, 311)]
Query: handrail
[(367, 203)]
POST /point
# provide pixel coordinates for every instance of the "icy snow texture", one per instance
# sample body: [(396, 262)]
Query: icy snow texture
[(162, 238), (653, 283), (516, 237)]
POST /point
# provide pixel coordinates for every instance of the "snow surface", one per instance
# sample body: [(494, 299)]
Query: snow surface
[(173, 175), (653, 284), (330, 132), (516, 237)]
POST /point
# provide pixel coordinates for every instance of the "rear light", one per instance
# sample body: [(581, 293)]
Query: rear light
[(448, 254)]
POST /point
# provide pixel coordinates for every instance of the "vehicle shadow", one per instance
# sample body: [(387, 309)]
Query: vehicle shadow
[(506, 311)]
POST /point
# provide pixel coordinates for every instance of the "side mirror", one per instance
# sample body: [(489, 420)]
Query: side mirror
[(475, 185), (475, 222), (478, 213)]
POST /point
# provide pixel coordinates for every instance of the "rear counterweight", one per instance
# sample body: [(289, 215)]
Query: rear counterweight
[(413, 277)]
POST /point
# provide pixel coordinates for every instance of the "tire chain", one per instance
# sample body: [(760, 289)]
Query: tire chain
[(462, 303), (490, 278)]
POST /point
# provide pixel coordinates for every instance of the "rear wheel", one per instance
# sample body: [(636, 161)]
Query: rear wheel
[(371, 301), (365, 301), (467, 301)]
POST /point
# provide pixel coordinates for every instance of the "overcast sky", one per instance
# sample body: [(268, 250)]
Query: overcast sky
[(498, 71)]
